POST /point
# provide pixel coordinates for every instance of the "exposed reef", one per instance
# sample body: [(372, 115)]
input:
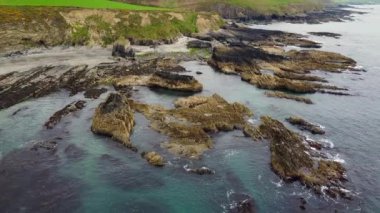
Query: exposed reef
[(16, 87), (188, 125), (70, 108), (115, 118), (291, 160), (252, 54), (305, 125)]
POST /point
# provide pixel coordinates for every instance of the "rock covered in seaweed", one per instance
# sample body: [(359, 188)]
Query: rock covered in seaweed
[(114, 118), (291, 161), (189, 124), (70, 108), (174, 81), (305, 125), (153, 158)]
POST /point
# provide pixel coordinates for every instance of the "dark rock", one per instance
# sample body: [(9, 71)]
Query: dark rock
[(199, 171), (45, 145), (119, 50), (175, 81), (198, 44), (199, 73), (326, 34), (305, 125), (94, 93), (68, 109), (241, 203)]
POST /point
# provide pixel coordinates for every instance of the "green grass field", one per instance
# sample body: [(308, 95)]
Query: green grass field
[(93, 4)]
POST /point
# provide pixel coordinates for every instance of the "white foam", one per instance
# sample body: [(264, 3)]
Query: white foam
[(278, 184)]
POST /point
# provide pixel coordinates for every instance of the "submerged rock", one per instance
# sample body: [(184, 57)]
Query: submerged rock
[(70, 108), (326, 34), (189, 124), (198, 44), (49, 145), (291, 161), (241, 203), (288, 96), (114, 118), (153, 158), (305, 125)]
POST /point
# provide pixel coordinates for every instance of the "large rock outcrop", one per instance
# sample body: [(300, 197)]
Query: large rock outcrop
[(114, 118), (290, 159), (189, 124)]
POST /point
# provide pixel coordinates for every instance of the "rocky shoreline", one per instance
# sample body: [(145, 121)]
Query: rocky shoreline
[(257, 56)]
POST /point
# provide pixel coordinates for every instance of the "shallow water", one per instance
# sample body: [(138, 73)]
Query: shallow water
[(108, 178)]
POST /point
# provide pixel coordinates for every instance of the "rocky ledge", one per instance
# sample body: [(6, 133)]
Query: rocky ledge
[(114, 118), (70, 108), (288, 96), (16, 87), (305, 125), (189, 124), (290, 159), (326, 34), (258, 57)]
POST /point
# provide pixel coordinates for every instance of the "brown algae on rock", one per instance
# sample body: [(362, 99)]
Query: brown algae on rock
[(189, 124), (114, 118)]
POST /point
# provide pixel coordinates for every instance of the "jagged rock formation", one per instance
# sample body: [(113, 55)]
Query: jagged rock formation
[(305, 125), (290, 159), (16, 87), (114, 118), (189, 124), (247, 52), (326, 34), (70, 108)]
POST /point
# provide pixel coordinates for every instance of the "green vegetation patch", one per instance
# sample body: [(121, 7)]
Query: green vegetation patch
[(95, 4)]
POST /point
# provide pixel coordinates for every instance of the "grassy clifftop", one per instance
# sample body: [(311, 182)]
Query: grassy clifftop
[(24, 27)]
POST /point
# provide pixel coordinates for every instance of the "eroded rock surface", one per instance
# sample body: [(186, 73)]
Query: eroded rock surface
[(288, 96), (290, 159), (114, 118), (189, 124)]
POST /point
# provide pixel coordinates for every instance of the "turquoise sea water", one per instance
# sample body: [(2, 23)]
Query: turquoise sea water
[(94, 174)]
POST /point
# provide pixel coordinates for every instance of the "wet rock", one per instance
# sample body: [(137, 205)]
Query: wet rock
[(241, 203), (153, 158), (288, 96), (326, 34), (199, 72), (114, 118), (301, 77), (94, 93), (68, 109), (174, 81), (188, 125), (119, 50), (45, 145), (253, 132), (198, 44), (291, 161), (199, 171), (305, 125)]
